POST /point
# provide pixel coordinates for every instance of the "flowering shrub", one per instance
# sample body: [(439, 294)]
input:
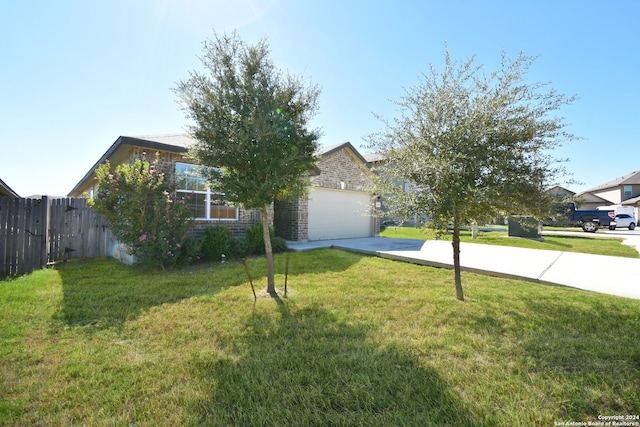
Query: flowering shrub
[(143, 211)]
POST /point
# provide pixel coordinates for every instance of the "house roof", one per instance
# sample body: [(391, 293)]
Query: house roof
[(631, 202), (593, 198), (374, 157), (325, 151), (177, 143), (632, 178), (557, 189), (5, 190)]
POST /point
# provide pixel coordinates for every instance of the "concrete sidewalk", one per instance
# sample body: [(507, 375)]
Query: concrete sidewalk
[(598, 273)]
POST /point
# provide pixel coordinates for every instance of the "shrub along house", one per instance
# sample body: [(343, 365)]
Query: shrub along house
[(338, 204)]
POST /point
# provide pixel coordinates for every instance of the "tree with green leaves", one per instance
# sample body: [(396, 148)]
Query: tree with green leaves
[(472, 146), (251, 126), (144, 211)]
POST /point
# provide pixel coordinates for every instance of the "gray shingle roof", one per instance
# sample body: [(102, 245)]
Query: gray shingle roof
[(175, 139), (632, 178)]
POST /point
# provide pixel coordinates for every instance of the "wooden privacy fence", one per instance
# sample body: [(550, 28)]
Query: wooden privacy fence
[(37, 232)]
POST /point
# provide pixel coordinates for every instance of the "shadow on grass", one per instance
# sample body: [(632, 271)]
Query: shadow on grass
[(305, 367), (102, 293)]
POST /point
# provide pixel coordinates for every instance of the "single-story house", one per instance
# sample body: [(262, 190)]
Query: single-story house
[(6, 191), (338, 205), (623, 191)]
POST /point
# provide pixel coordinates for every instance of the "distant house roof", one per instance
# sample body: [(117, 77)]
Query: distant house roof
[(6, 191), (561, 191), (592, 198), (632, 178), (631, 202), (374, 157)]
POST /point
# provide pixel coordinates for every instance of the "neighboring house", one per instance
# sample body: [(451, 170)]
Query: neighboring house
[(377, 161), (623, 191), (561, 192), (6, 191), (334, 208)]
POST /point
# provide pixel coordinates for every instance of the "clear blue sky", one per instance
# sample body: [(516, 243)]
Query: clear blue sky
[(75, 75)]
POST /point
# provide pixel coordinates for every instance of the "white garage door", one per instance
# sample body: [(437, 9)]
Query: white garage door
[(339, 214)]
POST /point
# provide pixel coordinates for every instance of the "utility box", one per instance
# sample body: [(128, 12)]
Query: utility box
[(524, 226)]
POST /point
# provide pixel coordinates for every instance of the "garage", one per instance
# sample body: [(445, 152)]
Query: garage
[(339, 214)]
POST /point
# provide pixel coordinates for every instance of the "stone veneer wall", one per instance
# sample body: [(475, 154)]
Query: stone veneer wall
[(238, 228)]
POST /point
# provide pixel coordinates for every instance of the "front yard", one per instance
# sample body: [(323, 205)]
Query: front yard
[(358, 340)]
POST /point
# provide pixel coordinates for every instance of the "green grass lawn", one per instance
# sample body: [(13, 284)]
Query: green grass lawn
[(579, 243), (358, 340)]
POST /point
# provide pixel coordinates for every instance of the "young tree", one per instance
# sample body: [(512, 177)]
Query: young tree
[(472, 146), (251, 127)]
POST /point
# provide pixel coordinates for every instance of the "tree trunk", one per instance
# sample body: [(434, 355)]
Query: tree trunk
[(456, 259), (271, 287)]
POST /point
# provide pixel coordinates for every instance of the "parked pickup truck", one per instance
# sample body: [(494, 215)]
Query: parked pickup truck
[(590, 220)]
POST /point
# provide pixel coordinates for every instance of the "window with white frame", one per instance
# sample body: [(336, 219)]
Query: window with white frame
[(206, 205)]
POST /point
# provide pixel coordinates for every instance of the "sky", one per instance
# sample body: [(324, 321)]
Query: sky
[(76, 75)]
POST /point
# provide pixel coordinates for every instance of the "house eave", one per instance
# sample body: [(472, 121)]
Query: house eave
[(335, 148), (131, 141), (6, 191)]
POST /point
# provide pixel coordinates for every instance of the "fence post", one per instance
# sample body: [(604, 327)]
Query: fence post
[(44, 230)]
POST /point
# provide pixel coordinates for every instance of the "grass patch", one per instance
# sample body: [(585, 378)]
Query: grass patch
[(358, 341), (581, 244)]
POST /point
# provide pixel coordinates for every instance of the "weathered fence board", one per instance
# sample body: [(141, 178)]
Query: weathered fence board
[(22, 234), (34, 232)]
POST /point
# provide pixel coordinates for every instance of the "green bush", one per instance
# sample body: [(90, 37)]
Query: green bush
[(255, 240), (215, 242), (218, 240), (242, 248), (278, 245), (144, 211)]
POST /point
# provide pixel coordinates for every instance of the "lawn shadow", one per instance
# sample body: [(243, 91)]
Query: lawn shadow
[(102, 293), (305, 367)]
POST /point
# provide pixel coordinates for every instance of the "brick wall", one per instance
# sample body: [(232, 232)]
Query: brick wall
[(166, 164), (342, 170), (338, 170), (246, 218), (291, 219)]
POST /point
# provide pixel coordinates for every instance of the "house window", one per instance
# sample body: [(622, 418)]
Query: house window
[(206, 205), (627, 191)]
